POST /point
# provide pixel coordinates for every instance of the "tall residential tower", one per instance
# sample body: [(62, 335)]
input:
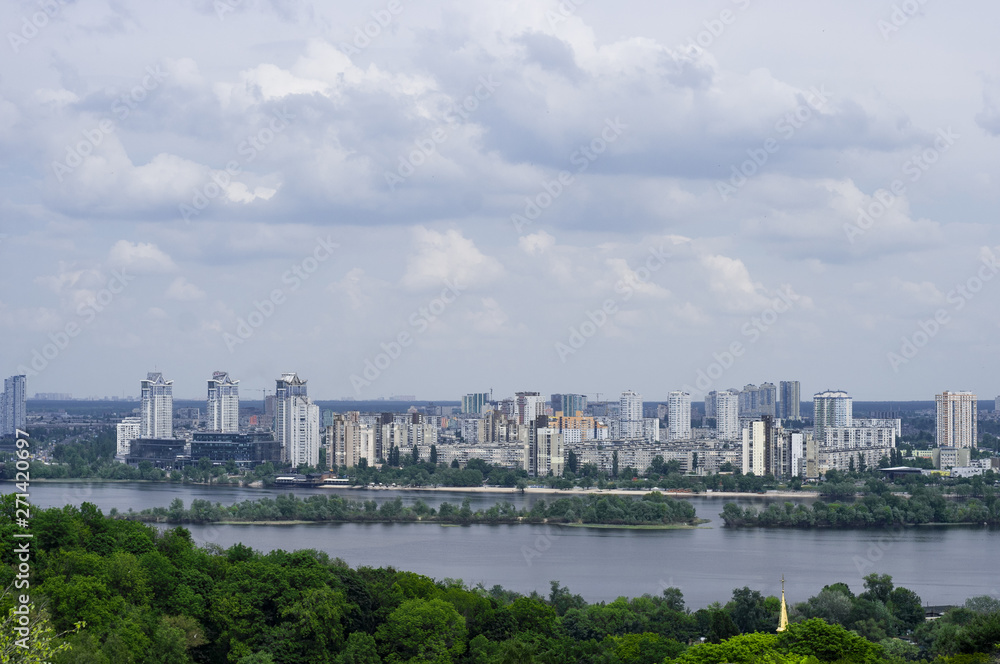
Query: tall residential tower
[(157, 407), (223, 403)]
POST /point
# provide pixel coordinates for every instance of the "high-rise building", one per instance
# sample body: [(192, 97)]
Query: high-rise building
[(475, 402), (790, 399), (223, 403), (569, 404), (767, 397), (711, 404), (127, 430), (157, 407), (727, 423), (297, 422), (630, 415), (755, 447), (956, 419), (750, 401), (679, 416), (831, 409), (13, 410), (528, 406)]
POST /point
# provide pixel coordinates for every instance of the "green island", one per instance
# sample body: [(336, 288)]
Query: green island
[(923, 506), (652, 510), (110, 590)]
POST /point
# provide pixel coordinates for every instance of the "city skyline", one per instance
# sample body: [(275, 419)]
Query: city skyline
[(532, 193)]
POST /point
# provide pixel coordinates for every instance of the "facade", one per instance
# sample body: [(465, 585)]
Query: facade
[(165, 453), (831, 409), (750, 401), (755, 448), (13, 410), (727, 423), (528, 406), (679, 416), (790, 399), (712, 404), (767, 398), (630, 415), (223, 403), (475, 403), (127, 430), (569, 404), (157, 407), (245, 449), (549, 453), (956, 419), (296, 422), (951, 457)]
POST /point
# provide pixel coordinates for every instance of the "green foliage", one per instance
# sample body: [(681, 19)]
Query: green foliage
[(421, 631), (651, 509)]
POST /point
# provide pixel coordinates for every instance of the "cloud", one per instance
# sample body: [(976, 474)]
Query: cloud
[(448, 256), (989, 118), (183, 290), (140, 258)]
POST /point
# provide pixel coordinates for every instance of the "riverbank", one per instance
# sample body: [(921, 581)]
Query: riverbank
[(577, 491), (499, 490)]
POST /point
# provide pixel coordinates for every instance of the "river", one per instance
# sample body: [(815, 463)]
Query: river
[(706, 563)]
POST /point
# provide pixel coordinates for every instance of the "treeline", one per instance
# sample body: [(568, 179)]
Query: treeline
[(924, 506), (118, 591), (651, 509)]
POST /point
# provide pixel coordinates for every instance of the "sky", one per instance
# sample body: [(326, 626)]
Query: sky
[(399, 198)]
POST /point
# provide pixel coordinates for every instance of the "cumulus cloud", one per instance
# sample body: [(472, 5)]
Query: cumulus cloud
[(182, 290), (448, 256), (139, 258)]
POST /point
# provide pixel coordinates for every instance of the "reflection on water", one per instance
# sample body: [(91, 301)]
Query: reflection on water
[(705, 563)]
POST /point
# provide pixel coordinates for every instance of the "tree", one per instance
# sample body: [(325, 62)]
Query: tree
[(37, 644), (415, 455), (360, 649), (748, 612), (878, 587), (572, 462), (422, 631), (614, 464), (434, 455)]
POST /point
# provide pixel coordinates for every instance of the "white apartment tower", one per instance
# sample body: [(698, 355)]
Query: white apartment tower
[(831, 409), (956, 419), (528, 406), (679, 415), (157, 407), (127, 430), (727, 422), (630, 415), (223, 403), (296, 422)]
